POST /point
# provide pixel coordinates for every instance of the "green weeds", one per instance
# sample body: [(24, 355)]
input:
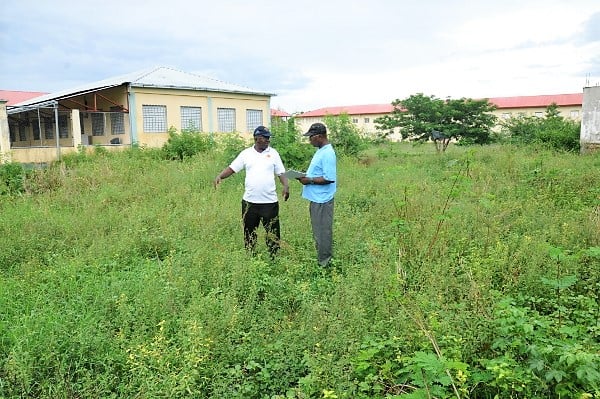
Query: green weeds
[(469, 274)]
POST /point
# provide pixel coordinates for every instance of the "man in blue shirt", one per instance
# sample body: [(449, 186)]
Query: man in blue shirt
[(319, 188)]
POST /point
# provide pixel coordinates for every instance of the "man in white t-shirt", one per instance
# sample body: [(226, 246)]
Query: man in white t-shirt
[(259, 203)]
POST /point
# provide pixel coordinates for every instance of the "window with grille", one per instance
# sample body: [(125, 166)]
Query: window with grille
[(367, 120), (97, 124), (35, 127), (48, 128), (22, 130), (155, 118), (254, 118), (354, 120), (226, 117), (11, 132), (63, 126), (117, 121), (191, 119)]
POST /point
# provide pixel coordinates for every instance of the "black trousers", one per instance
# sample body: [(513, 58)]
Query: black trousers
[(267, 214)]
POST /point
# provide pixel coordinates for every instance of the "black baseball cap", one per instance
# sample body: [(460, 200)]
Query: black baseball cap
[(316, 128), (262, 131)]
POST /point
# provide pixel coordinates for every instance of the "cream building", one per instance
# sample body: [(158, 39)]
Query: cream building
[(363, 116), (138, 108)]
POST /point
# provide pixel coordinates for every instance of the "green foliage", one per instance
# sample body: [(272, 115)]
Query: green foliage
[(12, 176), (552, 131), (344, 135), (382, 369), (186, 144), (286, 138), (230, 145), (466, 120)]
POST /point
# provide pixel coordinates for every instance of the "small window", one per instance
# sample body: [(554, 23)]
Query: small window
[(574, 114), (117, 121), (226, 118), (97, 124), (506, 115), (254, 118), (155, 118), (63, 126), (539, 114), (48, 128), (354, 120), (191, 119), (367, 120), (35, 127), (23, 130)]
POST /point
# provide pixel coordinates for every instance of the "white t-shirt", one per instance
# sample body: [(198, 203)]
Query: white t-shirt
[(261, 168)]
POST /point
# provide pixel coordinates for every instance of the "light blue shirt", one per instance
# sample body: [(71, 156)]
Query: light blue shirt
[(323, 164)]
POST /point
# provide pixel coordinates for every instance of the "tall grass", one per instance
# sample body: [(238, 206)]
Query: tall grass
[(125, 275)]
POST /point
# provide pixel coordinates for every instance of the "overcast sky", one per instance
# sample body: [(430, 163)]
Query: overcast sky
[(312, 53)]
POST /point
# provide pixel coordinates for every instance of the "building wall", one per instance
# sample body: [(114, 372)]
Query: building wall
[(590, 122), (209, 102), (369, 128), (567, 112), (364, 122)]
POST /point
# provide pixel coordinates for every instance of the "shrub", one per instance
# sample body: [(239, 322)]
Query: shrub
[(344, 136), (12, 176), (185, 144), (287, 141), (552, 131)]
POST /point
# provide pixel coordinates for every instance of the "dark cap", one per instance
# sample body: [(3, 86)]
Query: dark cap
[(316, 128), (262, 131)]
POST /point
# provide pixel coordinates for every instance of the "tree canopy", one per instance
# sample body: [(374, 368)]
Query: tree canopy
[(465, 120)]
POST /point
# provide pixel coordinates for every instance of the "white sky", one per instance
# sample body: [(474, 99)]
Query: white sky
[(312, 53)]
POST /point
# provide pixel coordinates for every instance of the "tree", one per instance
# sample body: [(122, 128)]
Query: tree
[(465, 120), (344, 135)]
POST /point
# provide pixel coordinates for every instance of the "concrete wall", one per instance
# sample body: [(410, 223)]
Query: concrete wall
[(590, 120), (4, 134)]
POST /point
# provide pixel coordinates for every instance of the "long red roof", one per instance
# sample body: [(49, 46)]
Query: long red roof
[(351, 110), (500, 102), (279, 113), (14, 97), (537, 101)]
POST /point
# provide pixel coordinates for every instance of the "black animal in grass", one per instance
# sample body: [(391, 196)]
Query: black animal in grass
[(440, 139)]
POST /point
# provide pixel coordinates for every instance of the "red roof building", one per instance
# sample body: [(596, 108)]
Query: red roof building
[(363, 116), (277, 113), (14, 97)]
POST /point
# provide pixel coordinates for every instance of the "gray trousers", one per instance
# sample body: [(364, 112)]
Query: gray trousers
[(321, 219)]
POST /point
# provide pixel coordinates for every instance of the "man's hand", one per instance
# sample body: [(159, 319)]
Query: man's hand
[(286, 193)]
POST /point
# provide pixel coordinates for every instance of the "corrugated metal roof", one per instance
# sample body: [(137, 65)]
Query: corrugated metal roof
[(14, 97), (350, 110), (537, 101), (157, 77)]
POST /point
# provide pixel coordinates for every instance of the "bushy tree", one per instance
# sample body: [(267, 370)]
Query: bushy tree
[(552, 130), (344, 135), (287, 140), (465, 120), (186, 144)]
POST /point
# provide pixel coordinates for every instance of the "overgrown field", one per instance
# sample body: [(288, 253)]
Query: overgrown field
[(469, 274)]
